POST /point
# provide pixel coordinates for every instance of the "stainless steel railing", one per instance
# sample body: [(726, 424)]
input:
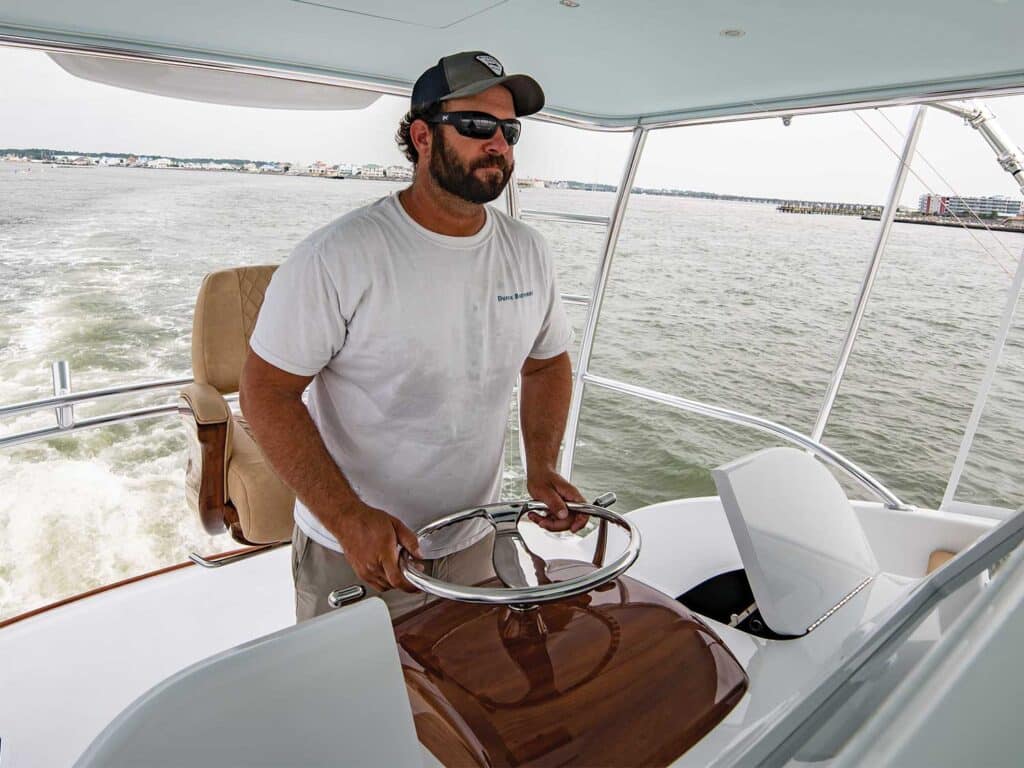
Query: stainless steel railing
[(564, 218), (90, 395), (64, 401), (865, 479), (66, 423)]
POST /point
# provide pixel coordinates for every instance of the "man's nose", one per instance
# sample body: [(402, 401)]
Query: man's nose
[(497, 145)]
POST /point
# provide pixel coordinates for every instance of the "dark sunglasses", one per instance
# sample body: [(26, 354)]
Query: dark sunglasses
[(479, 125)]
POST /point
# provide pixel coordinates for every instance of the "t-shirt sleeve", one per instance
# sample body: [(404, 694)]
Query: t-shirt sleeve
[(302, 324), (555, 332)]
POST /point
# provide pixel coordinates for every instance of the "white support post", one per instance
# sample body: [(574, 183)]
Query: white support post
[(885, 226), (597, 297), (61, 373), (512, 198), (1009, 309)]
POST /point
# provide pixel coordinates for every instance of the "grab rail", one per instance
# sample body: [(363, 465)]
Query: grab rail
[(575, 298), (97, 421), (89, 395), (564, 218), (891, 500)]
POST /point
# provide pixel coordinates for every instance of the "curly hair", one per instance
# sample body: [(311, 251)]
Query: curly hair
[(402, 137)]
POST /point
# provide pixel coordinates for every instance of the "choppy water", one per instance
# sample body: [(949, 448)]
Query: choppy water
[(730, 303)]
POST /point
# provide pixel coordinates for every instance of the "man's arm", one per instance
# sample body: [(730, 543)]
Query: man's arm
[(546, 390), (271, 400)]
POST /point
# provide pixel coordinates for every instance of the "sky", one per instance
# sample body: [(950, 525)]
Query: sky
[(819, 157)]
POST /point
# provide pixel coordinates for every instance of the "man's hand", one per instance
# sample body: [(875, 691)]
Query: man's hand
[(548, 486), (370, 538)]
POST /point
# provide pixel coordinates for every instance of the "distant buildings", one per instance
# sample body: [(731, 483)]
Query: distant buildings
[(990, 205), (398, 173)]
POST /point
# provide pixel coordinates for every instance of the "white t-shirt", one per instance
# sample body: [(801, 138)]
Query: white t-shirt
[(414, 340)]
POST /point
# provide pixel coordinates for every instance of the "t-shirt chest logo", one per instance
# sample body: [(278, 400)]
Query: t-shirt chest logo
[(514, 296)]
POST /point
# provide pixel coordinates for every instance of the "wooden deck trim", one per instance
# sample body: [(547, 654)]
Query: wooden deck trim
[(107, 587)]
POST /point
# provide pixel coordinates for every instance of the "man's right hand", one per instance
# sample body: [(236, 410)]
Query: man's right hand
[(370, 538)]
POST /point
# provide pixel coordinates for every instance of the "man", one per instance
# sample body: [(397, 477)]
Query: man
[(411, 318)]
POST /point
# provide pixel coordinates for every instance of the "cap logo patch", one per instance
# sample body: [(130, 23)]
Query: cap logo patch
[(491, 63)]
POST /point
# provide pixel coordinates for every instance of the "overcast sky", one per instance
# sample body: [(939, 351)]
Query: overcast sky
[(823, 157)]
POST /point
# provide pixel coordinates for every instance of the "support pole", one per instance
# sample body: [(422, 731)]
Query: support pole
[(512, 198), (885, 226), (1009, 309), (982, 119), (597, 297), (61, 373)]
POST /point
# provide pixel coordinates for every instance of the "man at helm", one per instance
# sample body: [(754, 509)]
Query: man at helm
[(409, 320)]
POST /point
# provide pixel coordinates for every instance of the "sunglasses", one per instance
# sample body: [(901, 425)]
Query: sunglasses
[(479, 125)]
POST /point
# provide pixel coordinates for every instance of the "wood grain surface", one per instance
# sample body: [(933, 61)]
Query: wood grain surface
[(623, 675)]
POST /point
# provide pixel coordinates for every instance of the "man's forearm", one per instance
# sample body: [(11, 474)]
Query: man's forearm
[(291, 443), (544, 405)]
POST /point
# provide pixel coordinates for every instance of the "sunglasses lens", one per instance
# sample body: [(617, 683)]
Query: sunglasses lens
[(477, 127), (511, 131)]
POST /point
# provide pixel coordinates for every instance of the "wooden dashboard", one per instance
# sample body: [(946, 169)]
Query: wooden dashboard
[(623, 675)]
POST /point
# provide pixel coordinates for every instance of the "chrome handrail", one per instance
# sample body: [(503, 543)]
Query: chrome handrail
[(575, 298), (565, 218), (89, 395), (107, 419), (874, 485), (97, 421)]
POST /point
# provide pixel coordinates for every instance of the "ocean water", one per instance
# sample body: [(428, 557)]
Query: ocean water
[(729, 303)]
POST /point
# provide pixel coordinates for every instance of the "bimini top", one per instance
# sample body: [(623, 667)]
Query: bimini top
[(602, 62)]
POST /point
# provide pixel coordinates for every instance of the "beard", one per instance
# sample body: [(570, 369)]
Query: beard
[(457, 179)]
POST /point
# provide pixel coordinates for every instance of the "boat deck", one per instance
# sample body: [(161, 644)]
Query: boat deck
[(80, 664)]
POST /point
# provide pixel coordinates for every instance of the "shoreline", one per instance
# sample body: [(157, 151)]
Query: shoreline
[(996, 226)]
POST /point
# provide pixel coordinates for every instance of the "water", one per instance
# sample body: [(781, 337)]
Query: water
[(729, 303)]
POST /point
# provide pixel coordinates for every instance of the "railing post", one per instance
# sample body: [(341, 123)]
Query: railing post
[(512, 198), (65, 414), (1009, 309), (597, 297), (885, 226)]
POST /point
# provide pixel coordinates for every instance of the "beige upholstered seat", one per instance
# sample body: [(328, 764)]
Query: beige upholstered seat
[(228, 482)]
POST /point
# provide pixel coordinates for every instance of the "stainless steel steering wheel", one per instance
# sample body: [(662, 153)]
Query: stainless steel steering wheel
[(523, 589)]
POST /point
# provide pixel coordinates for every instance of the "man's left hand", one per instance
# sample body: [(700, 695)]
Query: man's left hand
[(548, 486)]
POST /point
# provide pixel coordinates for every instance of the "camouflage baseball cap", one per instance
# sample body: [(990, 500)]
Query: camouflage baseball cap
[(472, 72)]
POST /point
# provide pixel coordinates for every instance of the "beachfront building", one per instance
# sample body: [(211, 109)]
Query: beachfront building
[(398, 172), (319, 168), (372, 171), (990, 205)]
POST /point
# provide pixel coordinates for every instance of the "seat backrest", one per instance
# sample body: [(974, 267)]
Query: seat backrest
[(325, 692), (801, 543), (226, 310)]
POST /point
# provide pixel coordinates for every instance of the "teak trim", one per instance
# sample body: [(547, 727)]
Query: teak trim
[(107, 587)]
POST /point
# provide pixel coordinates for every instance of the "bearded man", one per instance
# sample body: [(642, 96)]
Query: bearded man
[(409, 320)]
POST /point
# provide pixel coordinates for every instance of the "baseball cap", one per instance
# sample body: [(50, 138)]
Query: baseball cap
[(472, 72)]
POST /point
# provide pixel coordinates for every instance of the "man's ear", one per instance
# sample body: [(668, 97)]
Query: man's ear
[(421, 137)]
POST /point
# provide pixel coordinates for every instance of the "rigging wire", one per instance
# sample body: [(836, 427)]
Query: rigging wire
[(928, 187), (949, 184)]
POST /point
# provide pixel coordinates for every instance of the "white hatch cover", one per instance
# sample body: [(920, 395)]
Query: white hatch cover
[(800, 541)]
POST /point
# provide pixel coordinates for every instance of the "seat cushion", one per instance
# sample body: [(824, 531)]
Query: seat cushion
[(265, 504), (226, 309)]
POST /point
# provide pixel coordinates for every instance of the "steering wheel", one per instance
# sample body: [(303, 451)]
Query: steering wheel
[(523, 590)]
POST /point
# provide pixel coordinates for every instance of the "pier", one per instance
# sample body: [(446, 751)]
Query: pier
[(831, 209), (995, 225)]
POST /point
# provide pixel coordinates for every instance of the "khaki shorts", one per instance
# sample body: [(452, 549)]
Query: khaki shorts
[(318, 571)]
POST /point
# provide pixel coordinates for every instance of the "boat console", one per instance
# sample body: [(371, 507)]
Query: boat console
[(552, 660)]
